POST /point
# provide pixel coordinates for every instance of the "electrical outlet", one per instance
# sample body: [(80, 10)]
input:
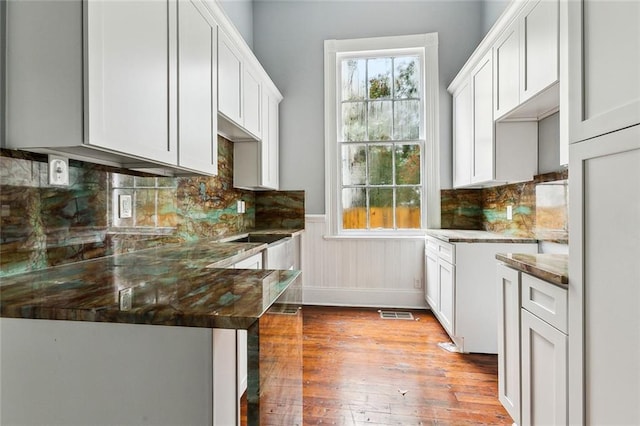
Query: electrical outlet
[(509, 212), (417, 283), (125, 206), (126, 299), (58, 171), (240, 206)]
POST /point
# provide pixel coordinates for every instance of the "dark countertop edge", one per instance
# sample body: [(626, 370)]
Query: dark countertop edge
[(545, 274), (497, 238), (274, 231), (116, 316)]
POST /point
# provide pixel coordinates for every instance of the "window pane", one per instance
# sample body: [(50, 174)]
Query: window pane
[(379, 76), (353, 121), (407, 164), (380, 121), (380, 208), (354, 208), (406, 74), (354, 79), (408, 208), (406, 120), (354, 164), (380, 165)]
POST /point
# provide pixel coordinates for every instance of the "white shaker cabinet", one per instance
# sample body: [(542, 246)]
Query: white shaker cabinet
[(539, 46), (489, 153), (197, 87), (93, 79), (229, 79), (603, 66), (462, 135), (509, 340), (256, 164), (604, 324), (461, 290), (506, 56), (251, 101)]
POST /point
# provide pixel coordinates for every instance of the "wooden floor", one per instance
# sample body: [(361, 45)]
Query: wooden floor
[(360, 369)]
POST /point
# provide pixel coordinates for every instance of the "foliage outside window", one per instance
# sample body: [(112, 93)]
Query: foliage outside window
[(379, 137)]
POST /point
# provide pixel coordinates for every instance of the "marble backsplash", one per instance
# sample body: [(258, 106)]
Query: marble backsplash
[(539, 208), (43, 226)]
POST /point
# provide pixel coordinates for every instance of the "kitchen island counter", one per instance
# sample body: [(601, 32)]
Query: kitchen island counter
[(475, 236), (177, 285)]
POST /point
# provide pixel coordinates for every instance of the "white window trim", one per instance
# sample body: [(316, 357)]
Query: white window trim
[(431, 153)]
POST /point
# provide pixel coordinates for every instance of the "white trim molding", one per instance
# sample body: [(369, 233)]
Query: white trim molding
[(427, 47)]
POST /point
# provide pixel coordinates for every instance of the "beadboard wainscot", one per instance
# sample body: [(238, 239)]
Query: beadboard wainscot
[(374, 271)]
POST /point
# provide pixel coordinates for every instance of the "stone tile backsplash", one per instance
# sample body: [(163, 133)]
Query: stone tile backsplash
[(42, 226)]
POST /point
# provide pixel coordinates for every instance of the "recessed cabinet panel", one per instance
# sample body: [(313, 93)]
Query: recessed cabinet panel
[(446, 277), (462, 135), (198, 139), (483, 153), (229, 79), (604, 62), (251, 101), (130, 56), (432, 286), (507, 65), (539, 47)]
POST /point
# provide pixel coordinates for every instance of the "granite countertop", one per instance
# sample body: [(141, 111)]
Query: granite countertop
[(546, 266), (472, 236), (177, 285)]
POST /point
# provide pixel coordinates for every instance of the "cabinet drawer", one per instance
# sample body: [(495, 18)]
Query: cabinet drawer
[(444, 250), (545, 300)]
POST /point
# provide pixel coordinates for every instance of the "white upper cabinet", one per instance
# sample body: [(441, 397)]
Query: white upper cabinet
[(506, 56), (93, 79), (527, 63), (251, 100), (482, 158), (229, 79), (539, 41), (462, 135), (255, 164), (603, 66), (197, 88)]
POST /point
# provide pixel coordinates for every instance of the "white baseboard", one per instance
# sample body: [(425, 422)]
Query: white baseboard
[(377, 298)]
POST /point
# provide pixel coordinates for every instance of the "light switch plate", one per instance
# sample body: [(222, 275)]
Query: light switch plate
[(509, 212), (125, 206)]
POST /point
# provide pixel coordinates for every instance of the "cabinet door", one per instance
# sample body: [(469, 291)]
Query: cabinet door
[(251, 102), (544, 373), (130, 61), (197, 86), (509, 340), (506, 57), (229, 79), (539, 41), (604, 283), (604, 65), (432, 286), (462, 136), (270, 149), (482, 166), (446, 278)]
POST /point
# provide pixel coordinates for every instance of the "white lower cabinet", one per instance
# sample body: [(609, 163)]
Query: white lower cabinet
[(544, 372), (532, 348), (461, 292), (509, 340), (230, 364)]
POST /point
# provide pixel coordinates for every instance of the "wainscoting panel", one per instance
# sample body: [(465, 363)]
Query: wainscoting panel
[(379, 272)]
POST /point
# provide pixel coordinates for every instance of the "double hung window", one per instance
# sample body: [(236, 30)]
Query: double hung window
[(376, 133)]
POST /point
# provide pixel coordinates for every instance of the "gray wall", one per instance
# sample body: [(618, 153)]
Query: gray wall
[(491, 11), (290, 47), (241, 14)]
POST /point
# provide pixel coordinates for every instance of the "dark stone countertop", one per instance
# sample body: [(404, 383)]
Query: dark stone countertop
[(473, 236), (176, 285), (549, 267)]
